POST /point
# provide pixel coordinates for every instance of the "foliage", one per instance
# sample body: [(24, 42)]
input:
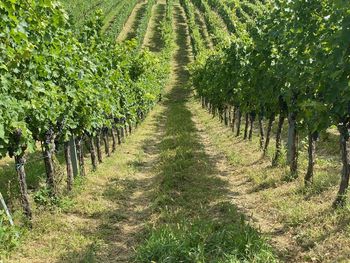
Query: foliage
[(198, 44), (9, 235), (59, 81), (279, 58), (213, 23), (52, 80), (44, 198)]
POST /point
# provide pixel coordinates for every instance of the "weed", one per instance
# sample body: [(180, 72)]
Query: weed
[(204, 240), (44, 198), (9, 235)]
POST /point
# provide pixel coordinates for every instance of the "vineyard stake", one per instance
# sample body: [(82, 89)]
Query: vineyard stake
[(6, 210), (74, 157)]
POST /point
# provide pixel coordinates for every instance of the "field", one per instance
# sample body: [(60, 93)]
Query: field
[(174, 131)]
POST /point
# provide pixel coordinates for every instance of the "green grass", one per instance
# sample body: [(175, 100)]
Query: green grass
[(308, 222), (195, 222), (193, 218), (81, 10), (205, 240), (9, 235), (36, 176), (85, 225)]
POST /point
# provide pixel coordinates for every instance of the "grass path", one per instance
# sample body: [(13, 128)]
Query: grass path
[(152, 39), (193, 218), (299, 222), (105, 219), (220, 142), (204, 30), (130, 27)]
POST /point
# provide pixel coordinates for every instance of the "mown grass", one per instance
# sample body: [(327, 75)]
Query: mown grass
[(195, 223), (132, 33), (192, 218), (12, 236), (87, 225), (229, 240), (319, 233)]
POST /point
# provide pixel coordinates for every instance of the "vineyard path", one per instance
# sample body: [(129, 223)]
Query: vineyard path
[(113, 206), (152, 39), (129, 29), (112, 209)]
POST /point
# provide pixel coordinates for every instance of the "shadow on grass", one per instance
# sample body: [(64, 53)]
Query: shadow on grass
[(140, 13), (117, 228), (87, 255), (195, 221), (156, 43)]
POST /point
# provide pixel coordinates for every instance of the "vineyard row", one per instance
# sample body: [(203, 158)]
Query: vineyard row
[(61, 83), (278, 59)]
